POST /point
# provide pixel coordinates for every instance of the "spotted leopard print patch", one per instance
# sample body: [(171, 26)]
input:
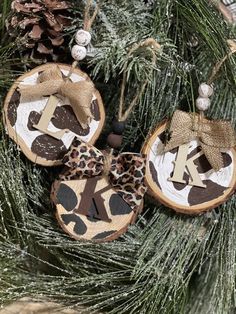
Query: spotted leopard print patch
[(126, 173)]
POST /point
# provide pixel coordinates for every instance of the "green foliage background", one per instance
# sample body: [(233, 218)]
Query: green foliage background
[(165, 263)]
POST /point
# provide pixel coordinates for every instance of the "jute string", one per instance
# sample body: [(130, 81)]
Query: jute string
[(213, 135), (108, 157), (88, 18), (217, 67), (154, 46), (88, 21)]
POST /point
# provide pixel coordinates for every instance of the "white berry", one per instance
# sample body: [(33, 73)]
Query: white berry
[(205, 90), (78, 52), (82, 37), (203, 103)]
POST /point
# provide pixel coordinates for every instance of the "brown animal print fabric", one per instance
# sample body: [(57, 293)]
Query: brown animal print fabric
[(126, 173)]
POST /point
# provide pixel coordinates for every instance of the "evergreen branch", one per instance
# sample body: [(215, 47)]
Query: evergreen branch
[(165, 263)]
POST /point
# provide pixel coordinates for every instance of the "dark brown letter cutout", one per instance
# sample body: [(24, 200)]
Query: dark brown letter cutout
[(91, 198)]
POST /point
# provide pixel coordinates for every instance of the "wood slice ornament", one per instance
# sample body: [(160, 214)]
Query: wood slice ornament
[(98, 195), (90, 209), (197, 187), (49, 106), (191, 161), (47, 146)]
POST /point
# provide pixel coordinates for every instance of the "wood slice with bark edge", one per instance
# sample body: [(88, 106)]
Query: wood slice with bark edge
[(155, 191), (27, 305), (19, 141), (119, 223)]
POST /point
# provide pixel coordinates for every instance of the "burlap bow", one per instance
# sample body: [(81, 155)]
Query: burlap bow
[(52, 81), (213, 136), (125, 172)]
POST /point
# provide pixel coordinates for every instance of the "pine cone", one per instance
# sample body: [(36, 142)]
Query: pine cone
[(39, 27)]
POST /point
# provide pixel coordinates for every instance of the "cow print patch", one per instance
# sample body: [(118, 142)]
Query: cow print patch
[(180, 186), (79, 227), (95, 110), (198, 195), (227, 160), (34, 118), (64, 118), (154, 174), (49, 148), (203, 164), (118, 206), (12, 108), (164, 137), (66, 197)]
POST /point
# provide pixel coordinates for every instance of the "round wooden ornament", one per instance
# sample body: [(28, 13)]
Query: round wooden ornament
[(23, 118), (91, 209), (183, 179)]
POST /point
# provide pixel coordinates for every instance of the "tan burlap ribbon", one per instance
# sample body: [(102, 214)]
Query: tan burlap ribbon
[(51, 81), (213, 136)]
